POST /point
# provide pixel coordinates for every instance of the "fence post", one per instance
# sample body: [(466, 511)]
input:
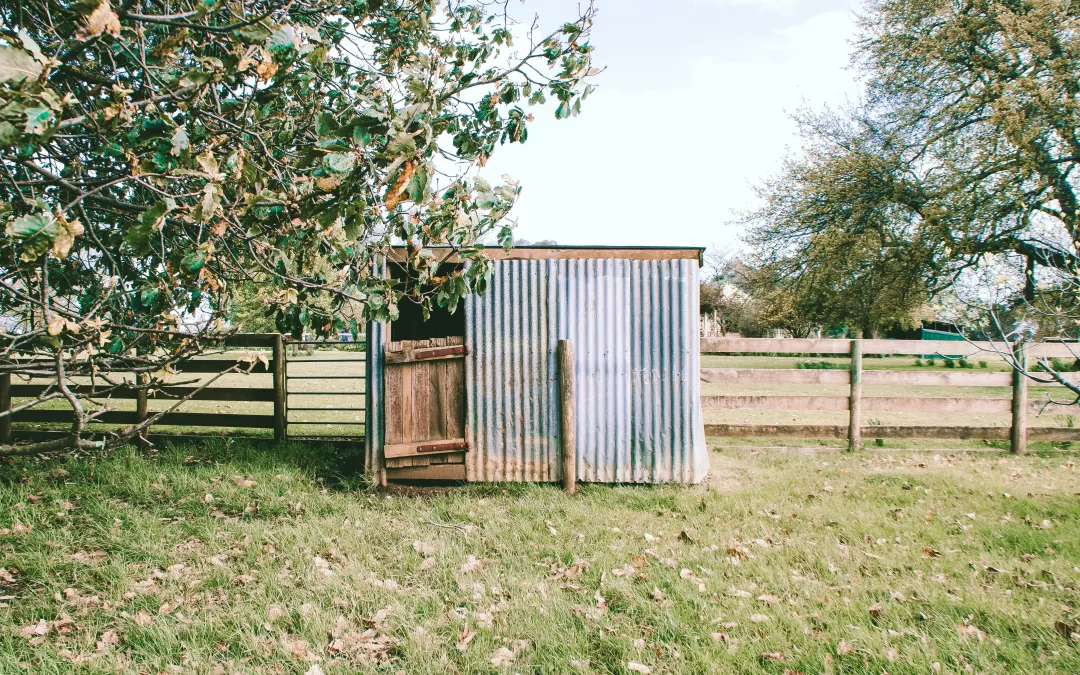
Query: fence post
[(281, 427), (565, 351), (5, 405), (141, 398), (855, 400), (1018, 433)]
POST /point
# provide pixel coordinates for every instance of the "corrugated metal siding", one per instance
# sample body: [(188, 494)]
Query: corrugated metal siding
[(635, 333)]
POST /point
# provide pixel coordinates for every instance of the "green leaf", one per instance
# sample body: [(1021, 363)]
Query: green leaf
[(153, 219), (254, 34), (340, 162), (37, 120), (36, 234), (193, 262), (9, 135), (325, 124), (17, 65), (283, 39), (402, 145), (417, 188)]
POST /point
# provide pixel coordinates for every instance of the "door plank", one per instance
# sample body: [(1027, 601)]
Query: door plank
[(425, 448)]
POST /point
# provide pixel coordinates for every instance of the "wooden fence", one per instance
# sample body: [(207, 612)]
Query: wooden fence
[(1018, 406), (275, 393)]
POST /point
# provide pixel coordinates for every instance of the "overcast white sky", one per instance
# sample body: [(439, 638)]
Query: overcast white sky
[(692, 111)]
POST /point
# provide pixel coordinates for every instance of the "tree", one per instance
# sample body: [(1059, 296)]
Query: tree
[(833, 250), (156, 156), (963, 153)]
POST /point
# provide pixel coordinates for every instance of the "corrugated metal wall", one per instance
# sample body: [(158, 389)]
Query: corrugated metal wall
[(635, 333)]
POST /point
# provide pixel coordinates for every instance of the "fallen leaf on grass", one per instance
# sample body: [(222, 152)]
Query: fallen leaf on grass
[(635, 667), (966, 630), (768, 599), (109, 638), (773, 656), (143, 619), (423, 548), (760, 618), (75, 657), (472, 563), (501, 657), (875, 610), (843, 649), (89, 558), (39, 628), (465, 638), (322, 566), (314, 670)]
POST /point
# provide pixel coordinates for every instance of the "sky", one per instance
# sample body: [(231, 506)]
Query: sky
[(691, 112)]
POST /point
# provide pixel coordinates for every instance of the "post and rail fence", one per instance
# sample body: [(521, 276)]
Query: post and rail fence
[(275, 391), (856, 376)]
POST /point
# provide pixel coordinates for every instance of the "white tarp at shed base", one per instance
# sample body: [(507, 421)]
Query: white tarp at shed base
[(634, 325)]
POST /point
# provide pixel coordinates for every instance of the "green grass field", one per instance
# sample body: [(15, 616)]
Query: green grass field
[(223, 558)]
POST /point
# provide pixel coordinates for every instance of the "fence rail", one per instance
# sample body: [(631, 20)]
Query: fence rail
[(274, 393), (855, 402)]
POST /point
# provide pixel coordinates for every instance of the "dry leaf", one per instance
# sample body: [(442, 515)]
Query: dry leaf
[(102, 20), (760, 618), (843, 649), (773, 656), (396, 192), (109, 638), (635, 667), (465, 638), (501, 657), (768, 599)]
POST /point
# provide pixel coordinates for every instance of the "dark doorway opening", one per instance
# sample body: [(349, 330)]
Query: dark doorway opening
[(410, 324)]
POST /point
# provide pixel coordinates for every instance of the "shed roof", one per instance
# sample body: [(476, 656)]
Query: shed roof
[(583, 253)]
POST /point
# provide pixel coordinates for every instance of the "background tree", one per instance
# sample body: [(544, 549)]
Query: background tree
[(155, 155), (962, 156)]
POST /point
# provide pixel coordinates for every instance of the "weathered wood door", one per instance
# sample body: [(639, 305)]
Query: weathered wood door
[(425, 402)]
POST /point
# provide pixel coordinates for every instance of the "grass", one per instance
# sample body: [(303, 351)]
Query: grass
[(222, 558)]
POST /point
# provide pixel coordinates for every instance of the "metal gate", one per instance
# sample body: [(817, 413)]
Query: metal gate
[(325, 390)]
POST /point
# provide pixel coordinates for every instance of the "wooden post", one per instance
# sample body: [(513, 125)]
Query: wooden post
[(1018, 433), (141, 397), (281, 427), (855, 401), (5, 405), (565, 353)]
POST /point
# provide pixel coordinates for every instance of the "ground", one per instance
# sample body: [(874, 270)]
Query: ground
[(229, 558)]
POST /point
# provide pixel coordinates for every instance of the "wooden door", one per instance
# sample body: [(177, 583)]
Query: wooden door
[(425, 402)]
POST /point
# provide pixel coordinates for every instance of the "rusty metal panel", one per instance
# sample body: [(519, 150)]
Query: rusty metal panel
[(635, 329)]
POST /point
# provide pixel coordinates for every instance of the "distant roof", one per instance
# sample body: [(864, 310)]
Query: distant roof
[(587, 253)]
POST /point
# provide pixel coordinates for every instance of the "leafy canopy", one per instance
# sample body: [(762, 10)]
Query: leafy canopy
[(157, 155)]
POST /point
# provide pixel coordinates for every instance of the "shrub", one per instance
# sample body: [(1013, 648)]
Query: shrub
[(819, 365), (918, 362), (964, 363), (983, 364), (949, 363)]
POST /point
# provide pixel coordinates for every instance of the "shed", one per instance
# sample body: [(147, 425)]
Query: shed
[(475, 396)]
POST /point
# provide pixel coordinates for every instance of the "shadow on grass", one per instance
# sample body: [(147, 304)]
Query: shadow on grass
[(337, 466)]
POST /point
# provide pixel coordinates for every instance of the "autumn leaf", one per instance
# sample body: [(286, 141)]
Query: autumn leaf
[(396, 192), (102, 20)]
